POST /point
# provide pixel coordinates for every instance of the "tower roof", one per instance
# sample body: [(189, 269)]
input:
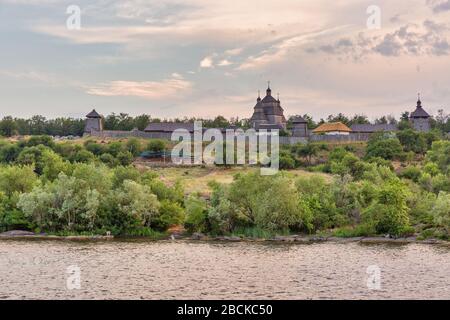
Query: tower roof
[(93, 114), (419, 112), (269, 98), (258, 116), (299, 119)]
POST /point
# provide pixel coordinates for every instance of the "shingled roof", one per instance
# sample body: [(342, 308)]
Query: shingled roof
[(369, 128), (299, 119), (419, 112), (93, 114), (332, 127)]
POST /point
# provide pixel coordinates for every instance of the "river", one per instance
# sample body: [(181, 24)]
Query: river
[(202, 270)]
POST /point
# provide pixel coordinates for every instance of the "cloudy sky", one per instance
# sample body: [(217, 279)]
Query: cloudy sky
[(176, 58)]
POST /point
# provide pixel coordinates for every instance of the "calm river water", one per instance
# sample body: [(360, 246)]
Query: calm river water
[(195, 270)]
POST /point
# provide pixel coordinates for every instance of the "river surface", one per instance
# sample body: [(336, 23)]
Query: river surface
[(199, 270)]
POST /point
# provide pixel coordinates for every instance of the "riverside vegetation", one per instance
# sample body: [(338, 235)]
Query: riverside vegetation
[(397, 184)]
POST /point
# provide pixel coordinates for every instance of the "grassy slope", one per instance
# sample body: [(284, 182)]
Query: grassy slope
[(196, 179)]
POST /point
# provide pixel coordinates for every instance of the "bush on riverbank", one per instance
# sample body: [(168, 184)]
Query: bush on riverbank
[(87, 197)]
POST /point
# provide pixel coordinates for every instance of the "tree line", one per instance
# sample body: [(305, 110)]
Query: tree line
[(39, 125)]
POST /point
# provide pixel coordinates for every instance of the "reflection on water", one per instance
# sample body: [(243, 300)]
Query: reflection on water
[(194, 270)]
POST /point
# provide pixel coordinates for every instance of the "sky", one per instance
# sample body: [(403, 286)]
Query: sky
[(203, 58)]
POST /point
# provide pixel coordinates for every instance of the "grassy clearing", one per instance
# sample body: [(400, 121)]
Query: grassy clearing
[(196, 179)]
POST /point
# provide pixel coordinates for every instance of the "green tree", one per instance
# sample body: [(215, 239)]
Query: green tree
[(388, 214), (83, 156), (170, 214), (16, 179), (440, 154), (138, 201), (308, 151), (8, 127), (441, 211), (384, 146), (156, 145), (9, 152), (53, 165), (95, 148), (196, 214), (413, 141)]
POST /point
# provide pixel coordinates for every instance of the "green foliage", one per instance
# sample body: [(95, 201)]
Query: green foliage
[(412, 172), (156, 145), (318, 201), (138, 202), (125, 158), (278, 208), (133, 146), (8, 127), (38, 125), (389, 211), (349, 165), (163, 192), (83, 156), (92, 176), (96, 148), (270, 203), (32, 156), (196, 214), (109, 160), (115, 148), (41, 140), (67, 202), (440, 155), (53, 165), (441, 211), (122, 173), (309, 151), (380, 162), (18, 179), (362, 230), (384, 146), (68, 188), (9, 152), (413, 141), (222, 214), (421, 205), (257, 233), (286, 161), (170, 214)]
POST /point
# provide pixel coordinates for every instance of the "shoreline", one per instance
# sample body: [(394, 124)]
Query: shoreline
[(294, 239)]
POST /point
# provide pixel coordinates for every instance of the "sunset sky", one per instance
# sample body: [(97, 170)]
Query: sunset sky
[(177, 58)]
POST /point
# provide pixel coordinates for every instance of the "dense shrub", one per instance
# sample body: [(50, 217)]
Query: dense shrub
[(389, 212), (440, 154), (9, 152), (384, 146), (412, 172), (286, 161), (156, 145), (196, 214), (133, 146), (125, 158), (170, 214), (413, 141), (441, 211)]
